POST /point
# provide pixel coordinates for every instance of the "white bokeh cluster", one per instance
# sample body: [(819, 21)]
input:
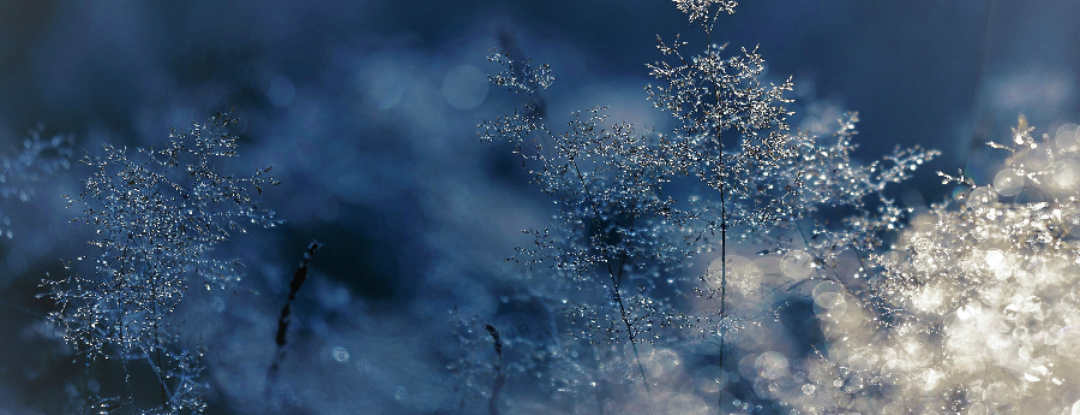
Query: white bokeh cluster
[(974, 308)]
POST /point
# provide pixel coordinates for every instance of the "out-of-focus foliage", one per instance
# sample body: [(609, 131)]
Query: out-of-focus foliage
[(37, 159)]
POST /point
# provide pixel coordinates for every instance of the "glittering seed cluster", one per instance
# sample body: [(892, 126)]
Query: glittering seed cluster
[(157, 216)]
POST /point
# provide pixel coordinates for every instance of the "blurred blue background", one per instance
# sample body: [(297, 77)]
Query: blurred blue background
[(368, 110)]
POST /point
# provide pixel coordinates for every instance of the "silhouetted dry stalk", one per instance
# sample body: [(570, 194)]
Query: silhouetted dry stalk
[(283, 321), (500, 377)]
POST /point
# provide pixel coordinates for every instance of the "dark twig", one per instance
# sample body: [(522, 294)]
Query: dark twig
[(283, 321), (500, 377)]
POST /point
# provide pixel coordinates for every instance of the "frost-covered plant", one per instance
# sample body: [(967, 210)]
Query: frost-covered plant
[(632, 213), (158, 217), (617, 224)]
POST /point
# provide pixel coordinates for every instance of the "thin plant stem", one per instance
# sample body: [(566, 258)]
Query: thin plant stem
[(500, 376), (623, 314), (596, 367), (723, 230), (723, 288), (285, 318)]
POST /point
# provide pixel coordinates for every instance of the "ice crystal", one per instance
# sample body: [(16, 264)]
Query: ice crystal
[(158, 217)]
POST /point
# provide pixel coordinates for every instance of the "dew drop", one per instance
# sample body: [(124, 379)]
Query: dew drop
[(1008, 183), (797, 264)]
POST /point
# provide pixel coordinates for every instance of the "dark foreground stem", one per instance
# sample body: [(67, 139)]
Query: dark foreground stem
[(500, 377), (283, 321)]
